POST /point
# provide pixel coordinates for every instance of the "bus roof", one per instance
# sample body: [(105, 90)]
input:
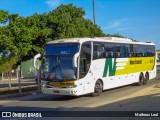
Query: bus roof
[(99, 39)]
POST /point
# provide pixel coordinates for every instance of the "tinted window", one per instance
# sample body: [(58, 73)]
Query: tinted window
[(85, 59), (144, 50), (137, 50), (150, 50), (61, 49), (109, 50), (153, 50), (98, 50), (121, 50), (116, 51)]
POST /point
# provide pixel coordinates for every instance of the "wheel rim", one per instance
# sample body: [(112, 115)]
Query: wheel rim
[(98, 88)]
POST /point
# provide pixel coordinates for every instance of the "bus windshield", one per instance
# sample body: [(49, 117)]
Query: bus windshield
[(58, 64)]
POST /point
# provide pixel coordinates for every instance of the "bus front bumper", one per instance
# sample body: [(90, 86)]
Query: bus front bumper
[(61, 91)]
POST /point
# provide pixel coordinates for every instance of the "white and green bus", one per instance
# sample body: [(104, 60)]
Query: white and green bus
[(79, 66)]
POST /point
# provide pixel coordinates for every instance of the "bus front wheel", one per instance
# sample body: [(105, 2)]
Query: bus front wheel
[(98, 88)]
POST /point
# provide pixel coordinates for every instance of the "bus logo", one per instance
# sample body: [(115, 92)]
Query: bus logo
[(110, 66)]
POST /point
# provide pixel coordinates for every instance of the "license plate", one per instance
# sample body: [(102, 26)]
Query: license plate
[(56, 91)]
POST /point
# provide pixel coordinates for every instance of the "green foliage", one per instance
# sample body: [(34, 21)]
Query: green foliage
[(7, 64), (25, 37), (67, 21), (114, 35), (3, 16)]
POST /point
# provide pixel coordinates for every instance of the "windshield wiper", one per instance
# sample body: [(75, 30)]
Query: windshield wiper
[(53, 69)]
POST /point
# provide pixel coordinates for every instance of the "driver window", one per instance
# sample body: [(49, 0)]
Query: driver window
[(85, 59)]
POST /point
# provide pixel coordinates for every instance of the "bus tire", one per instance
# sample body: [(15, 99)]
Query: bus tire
[(141, 80), (98, 88), (146, 78)]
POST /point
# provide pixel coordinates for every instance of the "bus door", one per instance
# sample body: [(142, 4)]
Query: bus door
[(84, 65)]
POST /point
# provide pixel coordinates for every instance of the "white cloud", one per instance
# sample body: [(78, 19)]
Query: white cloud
[(113, 25), (117, 25), (53, 3)]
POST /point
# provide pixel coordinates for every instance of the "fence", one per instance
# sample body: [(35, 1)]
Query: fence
[(27, 70)]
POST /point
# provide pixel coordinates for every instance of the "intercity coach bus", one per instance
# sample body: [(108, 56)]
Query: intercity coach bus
[(79, 66)]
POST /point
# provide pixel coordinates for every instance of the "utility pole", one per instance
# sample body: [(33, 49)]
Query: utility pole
[(94, 13)]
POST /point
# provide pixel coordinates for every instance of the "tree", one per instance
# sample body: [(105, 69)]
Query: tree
[(3, 16), (7, 65), (114, 35), (24, 37), (67, 21)]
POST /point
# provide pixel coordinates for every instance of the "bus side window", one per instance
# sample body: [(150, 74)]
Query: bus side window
[(153, 50), (122, 51), (108, 50), (131, 50), (135, 51), (117, 50), (98, 50), (148, 51), (127, 51), (144, 54)]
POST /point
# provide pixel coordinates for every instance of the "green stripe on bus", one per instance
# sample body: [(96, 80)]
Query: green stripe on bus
[(108, 67)]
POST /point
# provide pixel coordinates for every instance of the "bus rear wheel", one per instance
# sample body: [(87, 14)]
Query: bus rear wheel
[(98, 88), (146, 78), (141, 80)]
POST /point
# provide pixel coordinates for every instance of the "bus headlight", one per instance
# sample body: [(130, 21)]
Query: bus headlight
[(43, 83)]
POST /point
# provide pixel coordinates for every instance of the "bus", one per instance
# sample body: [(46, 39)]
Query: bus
[(79, 66)]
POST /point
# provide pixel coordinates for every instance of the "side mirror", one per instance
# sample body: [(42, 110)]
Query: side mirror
[(35, 59), (75, 59)]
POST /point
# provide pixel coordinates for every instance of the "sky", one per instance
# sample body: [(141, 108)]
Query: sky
[(136, 19)]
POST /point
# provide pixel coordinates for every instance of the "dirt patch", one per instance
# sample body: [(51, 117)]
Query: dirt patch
[(157, 85)]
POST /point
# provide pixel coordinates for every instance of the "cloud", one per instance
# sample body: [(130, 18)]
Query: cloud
[(113, 24), (118, 25), (53, 3)]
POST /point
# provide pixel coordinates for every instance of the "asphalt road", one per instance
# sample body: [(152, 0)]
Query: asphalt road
[(127, 98)]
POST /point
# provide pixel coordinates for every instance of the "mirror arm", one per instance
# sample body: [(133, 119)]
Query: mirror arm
[(75, 59)]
